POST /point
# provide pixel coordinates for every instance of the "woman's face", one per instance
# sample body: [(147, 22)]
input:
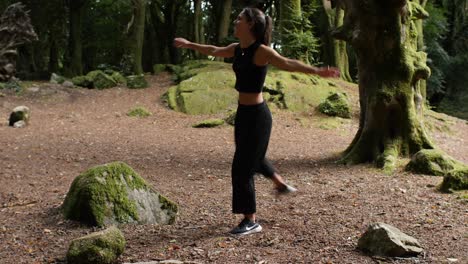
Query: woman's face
[(241, 26)]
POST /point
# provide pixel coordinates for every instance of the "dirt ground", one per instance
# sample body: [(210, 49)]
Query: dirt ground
[(72, 130)]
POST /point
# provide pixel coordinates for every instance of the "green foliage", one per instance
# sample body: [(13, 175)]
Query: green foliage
[(336, 104), (435, 29), (299, 41), (209, 123), (139, 112)]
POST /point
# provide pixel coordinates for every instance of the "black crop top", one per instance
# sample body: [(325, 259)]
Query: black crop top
[(249, 77)]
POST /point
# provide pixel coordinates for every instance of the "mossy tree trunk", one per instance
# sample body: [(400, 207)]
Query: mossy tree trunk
[(136, 35), (384, 36), (334, 52)]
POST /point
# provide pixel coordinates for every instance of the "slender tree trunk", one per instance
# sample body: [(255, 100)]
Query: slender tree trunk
[(75, 48), (198, 26), (334, 51), (53, 56), (390, 69), (137, 34), (224, 20)]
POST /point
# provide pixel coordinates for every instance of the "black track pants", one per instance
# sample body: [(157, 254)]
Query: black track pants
[(252, 133)]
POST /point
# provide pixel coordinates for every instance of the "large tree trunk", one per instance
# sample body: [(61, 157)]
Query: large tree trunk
[(384, 37), (75, 48), (137, 35)]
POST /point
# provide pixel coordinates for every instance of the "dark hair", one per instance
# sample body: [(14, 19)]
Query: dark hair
[(262, 24)]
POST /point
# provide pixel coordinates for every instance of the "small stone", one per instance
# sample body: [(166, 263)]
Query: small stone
[(452, 259), (19, 124)]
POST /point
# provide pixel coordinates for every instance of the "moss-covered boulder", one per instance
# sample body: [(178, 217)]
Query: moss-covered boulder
[(231, 117), (436, 162), (101, 80), (114, 193), (455, 180), (210, 90), (82, 81), (19, 113), (296, 92), (57, 79), (102, 247), (336, 104), (136, 81), (118, 78), (139, 112), (431, 162), (209, 123)]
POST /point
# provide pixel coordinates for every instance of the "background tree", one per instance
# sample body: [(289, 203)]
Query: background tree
[(333, 52), (75, 47), (384, 36)]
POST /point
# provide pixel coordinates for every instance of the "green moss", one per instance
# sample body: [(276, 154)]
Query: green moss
[(431, 162), (231, 117), (139, 112), (168, 205), (209, 123), (118, 78), (336, 104), (136, 81), (91, 193), (82, 81), (100, 247), (100, 80), (455, 180)]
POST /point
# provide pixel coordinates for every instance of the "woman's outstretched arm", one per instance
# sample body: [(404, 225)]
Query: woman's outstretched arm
[(275, 59), (225, 52)]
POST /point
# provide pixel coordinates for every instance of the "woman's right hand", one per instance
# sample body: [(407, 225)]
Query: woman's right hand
[(328, 72), (181, 43)]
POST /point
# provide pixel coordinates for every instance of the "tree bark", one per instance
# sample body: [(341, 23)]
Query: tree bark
[(384, 36), (75, 48), (224, 20), (198, 26), (137, 34), (334, 52)]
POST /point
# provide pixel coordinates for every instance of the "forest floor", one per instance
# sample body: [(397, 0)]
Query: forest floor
[(72, 130)]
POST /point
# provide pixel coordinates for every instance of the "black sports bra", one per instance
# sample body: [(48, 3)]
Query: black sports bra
[(249, 77)]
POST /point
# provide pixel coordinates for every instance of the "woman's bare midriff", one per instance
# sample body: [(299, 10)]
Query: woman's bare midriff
[(250, 98)]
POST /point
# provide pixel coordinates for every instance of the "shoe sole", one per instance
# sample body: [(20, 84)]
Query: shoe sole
[(253, 231)]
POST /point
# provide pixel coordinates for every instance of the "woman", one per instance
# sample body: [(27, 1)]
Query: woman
[(253, 120)]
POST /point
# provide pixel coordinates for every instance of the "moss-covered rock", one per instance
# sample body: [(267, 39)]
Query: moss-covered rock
[(431, 162), (57, 79), (118, 78), (101, 80), (136, 81), (114, 193), (336, 104), (102, 247), (231, 117), (455, 180), (209, 123), (207, 87), (139, 112), (210, 90), (19, 113), (2, 85), (82, 81)]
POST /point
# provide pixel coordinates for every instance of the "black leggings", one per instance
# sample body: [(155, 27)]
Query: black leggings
[(252, 133)]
